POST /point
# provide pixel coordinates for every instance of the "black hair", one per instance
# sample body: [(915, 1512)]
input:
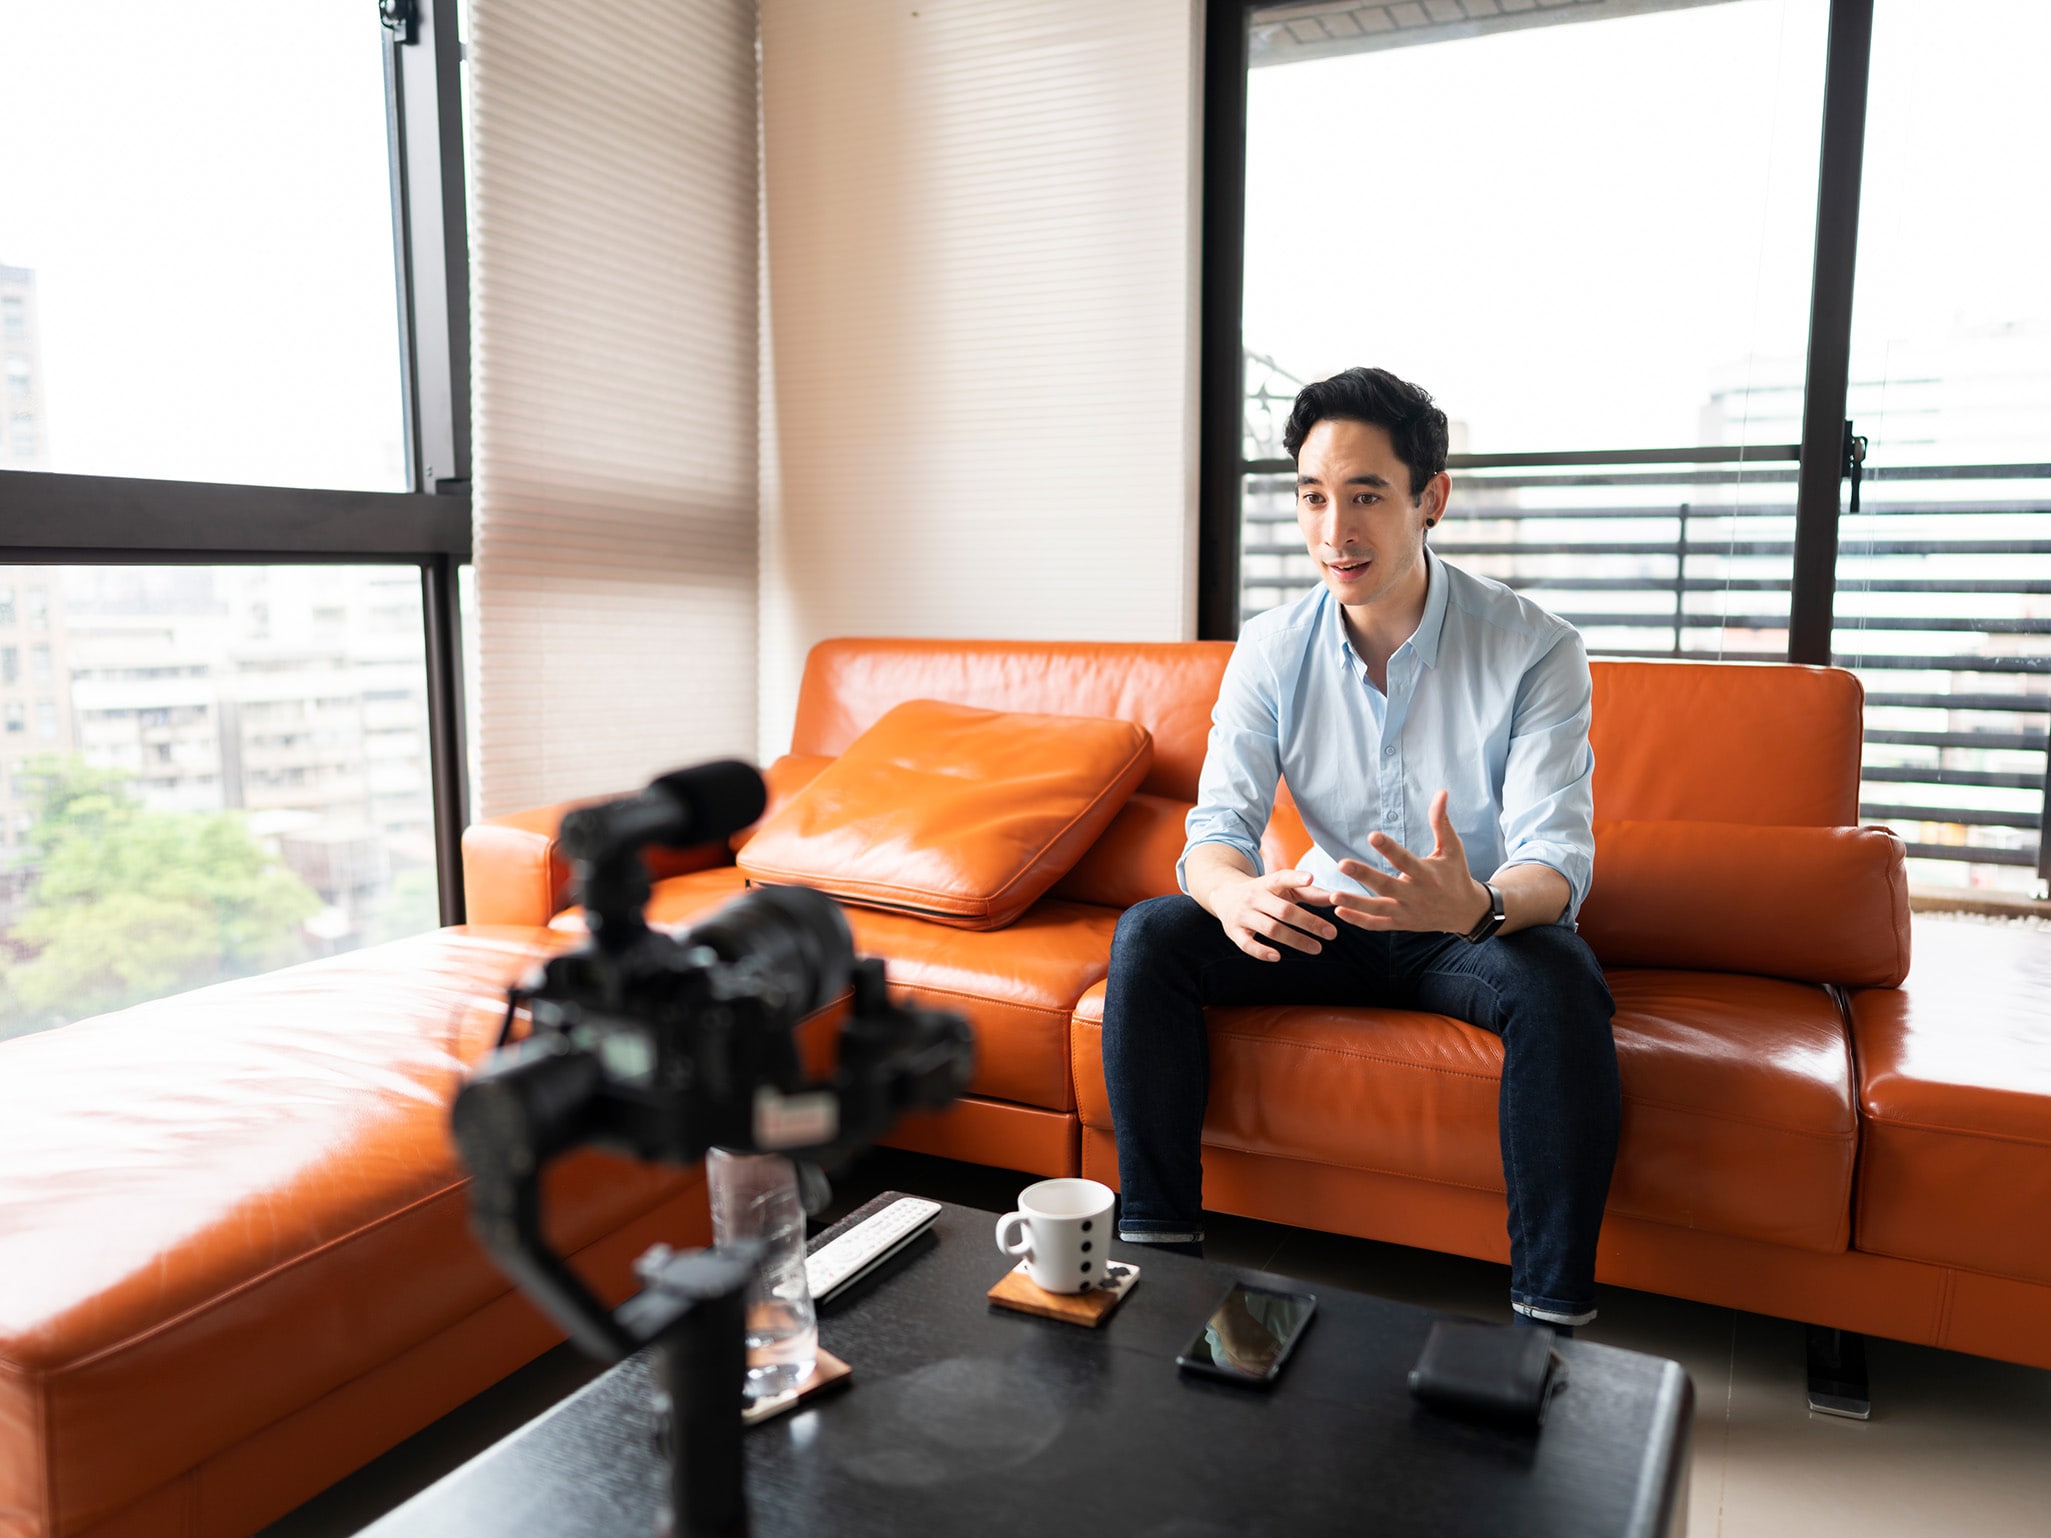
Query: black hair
[(1416, 427)]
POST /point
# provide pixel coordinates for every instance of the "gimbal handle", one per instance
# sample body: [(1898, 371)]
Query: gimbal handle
[(692, 1306)]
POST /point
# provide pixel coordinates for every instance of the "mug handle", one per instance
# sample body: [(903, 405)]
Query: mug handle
[(1022, 1244)]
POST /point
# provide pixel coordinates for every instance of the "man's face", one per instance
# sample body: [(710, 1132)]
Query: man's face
[(1359, 521)]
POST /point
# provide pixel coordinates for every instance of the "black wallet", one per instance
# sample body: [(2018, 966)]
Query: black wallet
[(1490, 1372)]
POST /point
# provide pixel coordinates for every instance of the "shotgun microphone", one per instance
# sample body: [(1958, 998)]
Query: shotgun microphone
[(687, 806)]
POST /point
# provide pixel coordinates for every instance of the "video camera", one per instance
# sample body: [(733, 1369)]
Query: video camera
[(661, 1046)]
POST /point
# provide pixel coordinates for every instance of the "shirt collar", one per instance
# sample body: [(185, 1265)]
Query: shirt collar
[(1424, 640)]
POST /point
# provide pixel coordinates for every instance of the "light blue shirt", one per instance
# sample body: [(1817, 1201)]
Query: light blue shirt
[(1489, 700)]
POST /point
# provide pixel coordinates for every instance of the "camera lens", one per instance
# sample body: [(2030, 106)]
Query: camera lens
[(795, 935)]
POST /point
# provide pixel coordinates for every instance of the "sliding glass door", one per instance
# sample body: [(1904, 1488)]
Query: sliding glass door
[(1943, 599), (1593, 244)]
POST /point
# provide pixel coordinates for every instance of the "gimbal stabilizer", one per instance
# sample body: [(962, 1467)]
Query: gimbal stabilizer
[(661, 1047)]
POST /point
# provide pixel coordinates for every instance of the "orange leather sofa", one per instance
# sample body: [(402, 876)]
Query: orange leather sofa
[(1810, 1129), (234, 1254)]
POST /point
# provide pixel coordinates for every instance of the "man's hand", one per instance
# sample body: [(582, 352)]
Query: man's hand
[(1258, 910), (1433, 893)]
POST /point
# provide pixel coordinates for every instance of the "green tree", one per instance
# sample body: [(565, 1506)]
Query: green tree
[(131, 904)]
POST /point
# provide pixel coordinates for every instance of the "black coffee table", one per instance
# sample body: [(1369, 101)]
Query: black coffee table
[(964, 1418)]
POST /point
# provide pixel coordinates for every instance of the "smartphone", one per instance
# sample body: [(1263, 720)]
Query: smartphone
[(1249, 1334)]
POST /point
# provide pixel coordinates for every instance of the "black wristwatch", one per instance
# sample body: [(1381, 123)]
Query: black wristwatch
[(1491, 921)]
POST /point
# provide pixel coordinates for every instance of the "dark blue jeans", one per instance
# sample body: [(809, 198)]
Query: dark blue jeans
[(1539, 989)]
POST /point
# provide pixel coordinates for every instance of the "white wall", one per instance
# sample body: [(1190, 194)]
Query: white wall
[(614, 275), (980, 380)]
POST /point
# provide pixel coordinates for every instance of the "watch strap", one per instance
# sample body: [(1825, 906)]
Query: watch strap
[(1490, 921)]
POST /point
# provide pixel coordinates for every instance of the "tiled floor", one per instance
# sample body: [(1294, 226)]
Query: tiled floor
[(1957, 1445)]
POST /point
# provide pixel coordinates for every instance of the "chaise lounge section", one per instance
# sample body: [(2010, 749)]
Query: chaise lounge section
[(235, 1257)]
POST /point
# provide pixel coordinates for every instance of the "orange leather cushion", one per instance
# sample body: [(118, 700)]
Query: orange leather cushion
[(1738, 1110), (1168, 687), (961, 816), (228, 1204), (1825, 905), (1017, 986), (1757, 742), (1955, 1088)]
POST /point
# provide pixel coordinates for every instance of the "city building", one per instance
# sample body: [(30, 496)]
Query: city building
[(35, 696), (24, 440), (295, 695)]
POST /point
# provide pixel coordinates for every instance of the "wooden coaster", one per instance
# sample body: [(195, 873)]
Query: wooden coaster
[(1018, 1290), (828, 1373)]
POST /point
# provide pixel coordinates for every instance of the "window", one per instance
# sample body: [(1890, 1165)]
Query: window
[(283, 392), (251, 428), (10, 664), (1565, 299), (1941, 573), (218, 762), (1647, 333), (1585, 294), (38, 664)]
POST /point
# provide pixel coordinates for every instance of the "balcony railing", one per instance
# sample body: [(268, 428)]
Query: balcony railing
[(1942, 607)]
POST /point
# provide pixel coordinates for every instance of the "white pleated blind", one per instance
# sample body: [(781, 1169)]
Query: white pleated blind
[(614, 275), (982, 223)]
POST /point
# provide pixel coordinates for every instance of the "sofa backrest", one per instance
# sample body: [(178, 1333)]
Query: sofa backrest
[(1681, 748), (1756, 742), (1167, 687), (1761, 743)]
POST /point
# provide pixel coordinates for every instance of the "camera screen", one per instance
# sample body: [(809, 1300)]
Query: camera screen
[(1248, 1332)]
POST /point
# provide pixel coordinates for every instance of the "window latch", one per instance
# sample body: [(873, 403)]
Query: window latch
[(401, 18), (1854, 463)]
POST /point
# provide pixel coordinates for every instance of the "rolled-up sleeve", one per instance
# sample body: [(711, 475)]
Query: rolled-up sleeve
[(1242, 764), (1548, 783)]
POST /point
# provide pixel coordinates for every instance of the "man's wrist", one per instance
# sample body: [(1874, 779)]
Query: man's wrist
[(1482, 906), (1209, 879)]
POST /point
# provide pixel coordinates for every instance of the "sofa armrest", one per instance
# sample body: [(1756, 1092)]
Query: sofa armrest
[(515, 871)]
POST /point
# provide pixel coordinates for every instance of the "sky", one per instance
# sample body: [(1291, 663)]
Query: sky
[(1571, 234), (206, 202)]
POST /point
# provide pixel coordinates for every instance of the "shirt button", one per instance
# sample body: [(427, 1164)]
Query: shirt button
[(1389, 752)]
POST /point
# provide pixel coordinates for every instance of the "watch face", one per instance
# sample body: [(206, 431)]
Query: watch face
[(1490, 921)]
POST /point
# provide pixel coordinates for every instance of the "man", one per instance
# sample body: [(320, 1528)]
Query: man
[(1433, 728)]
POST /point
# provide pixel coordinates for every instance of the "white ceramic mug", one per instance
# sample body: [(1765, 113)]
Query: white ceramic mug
[(1063, 1229)]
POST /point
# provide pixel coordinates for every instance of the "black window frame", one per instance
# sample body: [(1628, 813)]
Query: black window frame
[(54, 519)]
